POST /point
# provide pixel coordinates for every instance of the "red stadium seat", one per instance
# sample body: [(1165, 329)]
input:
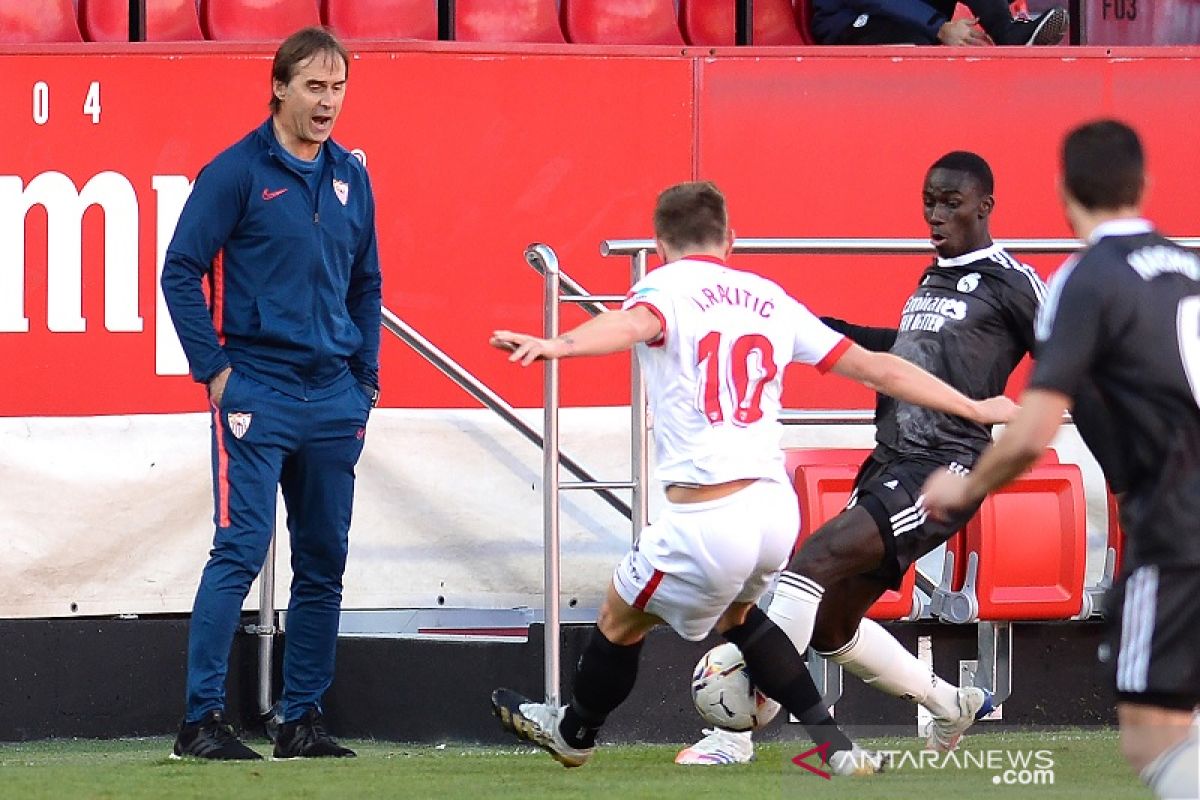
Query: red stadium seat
[(166, 21), (1093, 596), (381, 19), (1025, 551), (1093, 601), (507, 21), (712, 22), (620, 22), (823, 490), (823, 481), (804, 21), (256, 20), (1116, 539), (954, 569), (38, 22), (811, 456)]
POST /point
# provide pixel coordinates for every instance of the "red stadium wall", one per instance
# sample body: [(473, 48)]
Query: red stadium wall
[(474, 154)]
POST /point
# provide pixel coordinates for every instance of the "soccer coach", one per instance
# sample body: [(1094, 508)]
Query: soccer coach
[(282, 227)]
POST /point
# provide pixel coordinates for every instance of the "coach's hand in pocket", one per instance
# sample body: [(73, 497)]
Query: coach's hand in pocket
[(216, 386)]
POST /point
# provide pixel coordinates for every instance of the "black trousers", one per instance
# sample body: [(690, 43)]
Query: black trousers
[(994, 17)]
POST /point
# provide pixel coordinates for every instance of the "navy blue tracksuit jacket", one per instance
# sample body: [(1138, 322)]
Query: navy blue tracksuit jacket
[(294, 279)]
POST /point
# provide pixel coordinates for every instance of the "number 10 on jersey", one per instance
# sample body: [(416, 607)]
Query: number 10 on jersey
[(739, 381)]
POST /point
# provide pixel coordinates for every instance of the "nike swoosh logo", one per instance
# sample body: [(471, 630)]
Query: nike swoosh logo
[(271, 195)]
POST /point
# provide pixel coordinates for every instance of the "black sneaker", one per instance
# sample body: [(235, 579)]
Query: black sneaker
[(1047, 28), (212, 737), (307, 738)]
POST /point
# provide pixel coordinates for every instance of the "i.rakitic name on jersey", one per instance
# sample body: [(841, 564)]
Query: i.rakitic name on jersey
[(733, 296)]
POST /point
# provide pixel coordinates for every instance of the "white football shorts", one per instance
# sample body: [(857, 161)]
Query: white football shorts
[(697, 558)]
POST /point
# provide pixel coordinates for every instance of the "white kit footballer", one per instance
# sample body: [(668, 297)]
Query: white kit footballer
[(713, 380)]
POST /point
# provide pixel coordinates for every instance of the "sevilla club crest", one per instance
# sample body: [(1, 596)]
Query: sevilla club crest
[(239, 422), (342, 190)]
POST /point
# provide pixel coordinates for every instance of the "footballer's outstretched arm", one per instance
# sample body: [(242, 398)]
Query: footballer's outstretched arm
[(880, 340), (1022, 443), (610, 332), (892, 375)]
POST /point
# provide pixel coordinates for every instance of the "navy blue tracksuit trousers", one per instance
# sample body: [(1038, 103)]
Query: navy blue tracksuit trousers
[(261, 439)]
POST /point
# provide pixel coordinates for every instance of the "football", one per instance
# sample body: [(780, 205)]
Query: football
[(724, 694)]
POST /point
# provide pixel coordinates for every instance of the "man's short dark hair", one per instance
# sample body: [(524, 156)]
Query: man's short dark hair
[(298, 48), (1103, 165), (691, 214), (969, 163)]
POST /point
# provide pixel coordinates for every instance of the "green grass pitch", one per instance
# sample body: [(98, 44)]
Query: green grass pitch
[(1086, 765)]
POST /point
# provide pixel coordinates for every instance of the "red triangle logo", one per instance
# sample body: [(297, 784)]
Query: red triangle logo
[(822, 753)]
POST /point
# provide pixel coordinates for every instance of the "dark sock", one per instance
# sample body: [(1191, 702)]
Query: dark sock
[(778, 670), (604, 677)]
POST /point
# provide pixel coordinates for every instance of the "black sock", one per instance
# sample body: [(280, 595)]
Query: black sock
[(604, 677), (778, 670)]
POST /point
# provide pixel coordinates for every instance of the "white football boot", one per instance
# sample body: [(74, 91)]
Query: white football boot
[(855, 762), (943, 735), (537, 723), (719, 746)]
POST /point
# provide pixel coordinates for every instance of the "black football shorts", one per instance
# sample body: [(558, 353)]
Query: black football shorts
[(1152, 651), (890, 491)]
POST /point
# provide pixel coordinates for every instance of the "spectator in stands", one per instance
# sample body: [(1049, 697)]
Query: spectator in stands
[(282, 227), (713, 344), (970, 322), (931, 22), (1123, 320)]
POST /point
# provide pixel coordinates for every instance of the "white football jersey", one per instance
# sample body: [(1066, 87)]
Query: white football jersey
[(715, 375)]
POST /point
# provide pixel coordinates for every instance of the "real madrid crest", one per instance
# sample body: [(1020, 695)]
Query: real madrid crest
[(239, 422), (968, 283), (342, 190)]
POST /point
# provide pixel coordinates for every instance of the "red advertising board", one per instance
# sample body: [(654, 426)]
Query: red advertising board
[(1140, 22), (476, 154)]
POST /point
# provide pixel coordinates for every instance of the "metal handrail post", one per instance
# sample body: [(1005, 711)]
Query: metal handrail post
[(266, 631), (550, 487), (571, 285), (640, 446)]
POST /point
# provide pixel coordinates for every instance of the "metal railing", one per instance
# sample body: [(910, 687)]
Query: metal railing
[(877, 247), (488, 398), (560, 287), (545, 261)]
